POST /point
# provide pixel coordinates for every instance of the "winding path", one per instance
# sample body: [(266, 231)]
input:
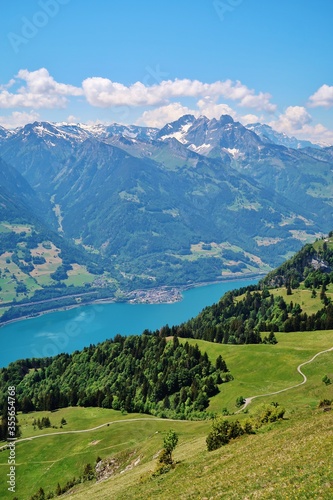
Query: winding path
[(91, 429), (250, 399), (247, 402)]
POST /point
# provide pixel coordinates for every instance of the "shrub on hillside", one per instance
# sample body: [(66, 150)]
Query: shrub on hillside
[(224, 430), (268, 413)]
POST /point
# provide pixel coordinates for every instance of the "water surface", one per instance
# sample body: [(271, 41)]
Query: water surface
[(67, 331)]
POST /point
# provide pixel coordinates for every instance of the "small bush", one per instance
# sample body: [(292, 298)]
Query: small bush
[(324, 402), (88, 473), (223, 431), (240, 401), (165, 461), (267, 413)]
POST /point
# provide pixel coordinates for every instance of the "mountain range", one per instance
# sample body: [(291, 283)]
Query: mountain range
[(196, 200)]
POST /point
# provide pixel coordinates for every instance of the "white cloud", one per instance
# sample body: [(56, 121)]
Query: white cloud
[(246, 119), (322, 97), (293, 119), (7, 85), (102, 92), (207, 107), (165, 114), (158, 117), (317, 134), (72, 119), (39, 91), (296, 121), (211, 109), (261, 102), (41, 82), (18, 119)]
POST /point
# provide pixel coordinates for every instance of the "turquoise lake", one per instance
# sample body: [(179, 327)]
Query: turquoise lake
[(67, 331)]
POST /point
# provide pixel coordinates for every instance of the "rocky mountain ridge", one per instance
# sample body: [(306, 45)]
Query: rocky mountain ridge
[(194, 201)]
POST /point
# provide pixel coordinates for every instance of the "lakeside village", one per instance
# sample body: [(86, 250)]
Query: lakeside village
[(155, 296), (161, 295)]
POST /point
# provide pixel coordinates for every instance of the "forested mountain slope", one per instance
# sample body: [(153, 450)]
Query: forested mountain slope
[(242, 316), (34, 257)]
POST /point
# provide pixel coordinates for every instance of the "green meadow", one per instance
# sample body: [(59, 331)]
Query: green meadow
[(264, 368), (287, 459), (40, 276), (302, 296)]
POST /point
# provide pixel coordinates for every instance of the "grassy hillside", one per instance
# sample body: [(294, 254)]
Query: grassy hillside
[(302, 296), (297, 296), (44, 259), (288, 459), (38, 266), (265, 368)]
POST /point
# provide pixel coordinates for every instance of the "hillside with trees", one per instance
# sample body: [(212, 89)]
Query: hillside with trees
[(143, 373), (251, 315), (162, 376)]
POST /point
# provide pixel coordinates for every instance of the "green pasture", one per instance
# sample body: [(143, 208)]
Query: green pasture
[(8, 283), (302, 296), (266, 368), (50, 460), (78, 276), (287, 459), (7, 227)]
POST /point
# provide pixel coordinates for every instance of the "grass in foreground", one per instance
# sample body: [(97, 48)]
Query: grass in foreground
[(47, 461), (289, 459)]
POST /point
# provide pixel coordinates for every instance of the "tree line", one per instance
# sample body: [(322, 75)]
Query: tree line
[(143, 373)]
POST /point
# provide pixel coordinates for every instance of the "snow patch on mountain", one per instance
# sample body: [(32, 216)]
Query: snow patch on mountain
[(268, 135), (234, 152), (200, 149), (179, 135)]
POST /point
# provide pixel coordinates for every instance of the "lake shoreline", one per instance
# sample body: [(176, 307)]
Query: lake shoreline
[(129, 301), (72, 329)]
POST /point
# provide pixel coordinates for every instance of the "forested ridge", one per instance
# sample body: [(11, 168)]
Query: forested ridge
[(313, 264), (143, 373), (242, 321), (242, 315)]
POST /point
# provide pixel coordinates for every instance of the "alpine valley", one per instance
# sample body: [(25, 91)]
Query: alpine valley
[(99, 211)]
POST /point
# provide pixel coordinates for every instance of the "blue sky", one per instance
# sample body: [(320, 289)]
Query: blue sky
[(150, 62)]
